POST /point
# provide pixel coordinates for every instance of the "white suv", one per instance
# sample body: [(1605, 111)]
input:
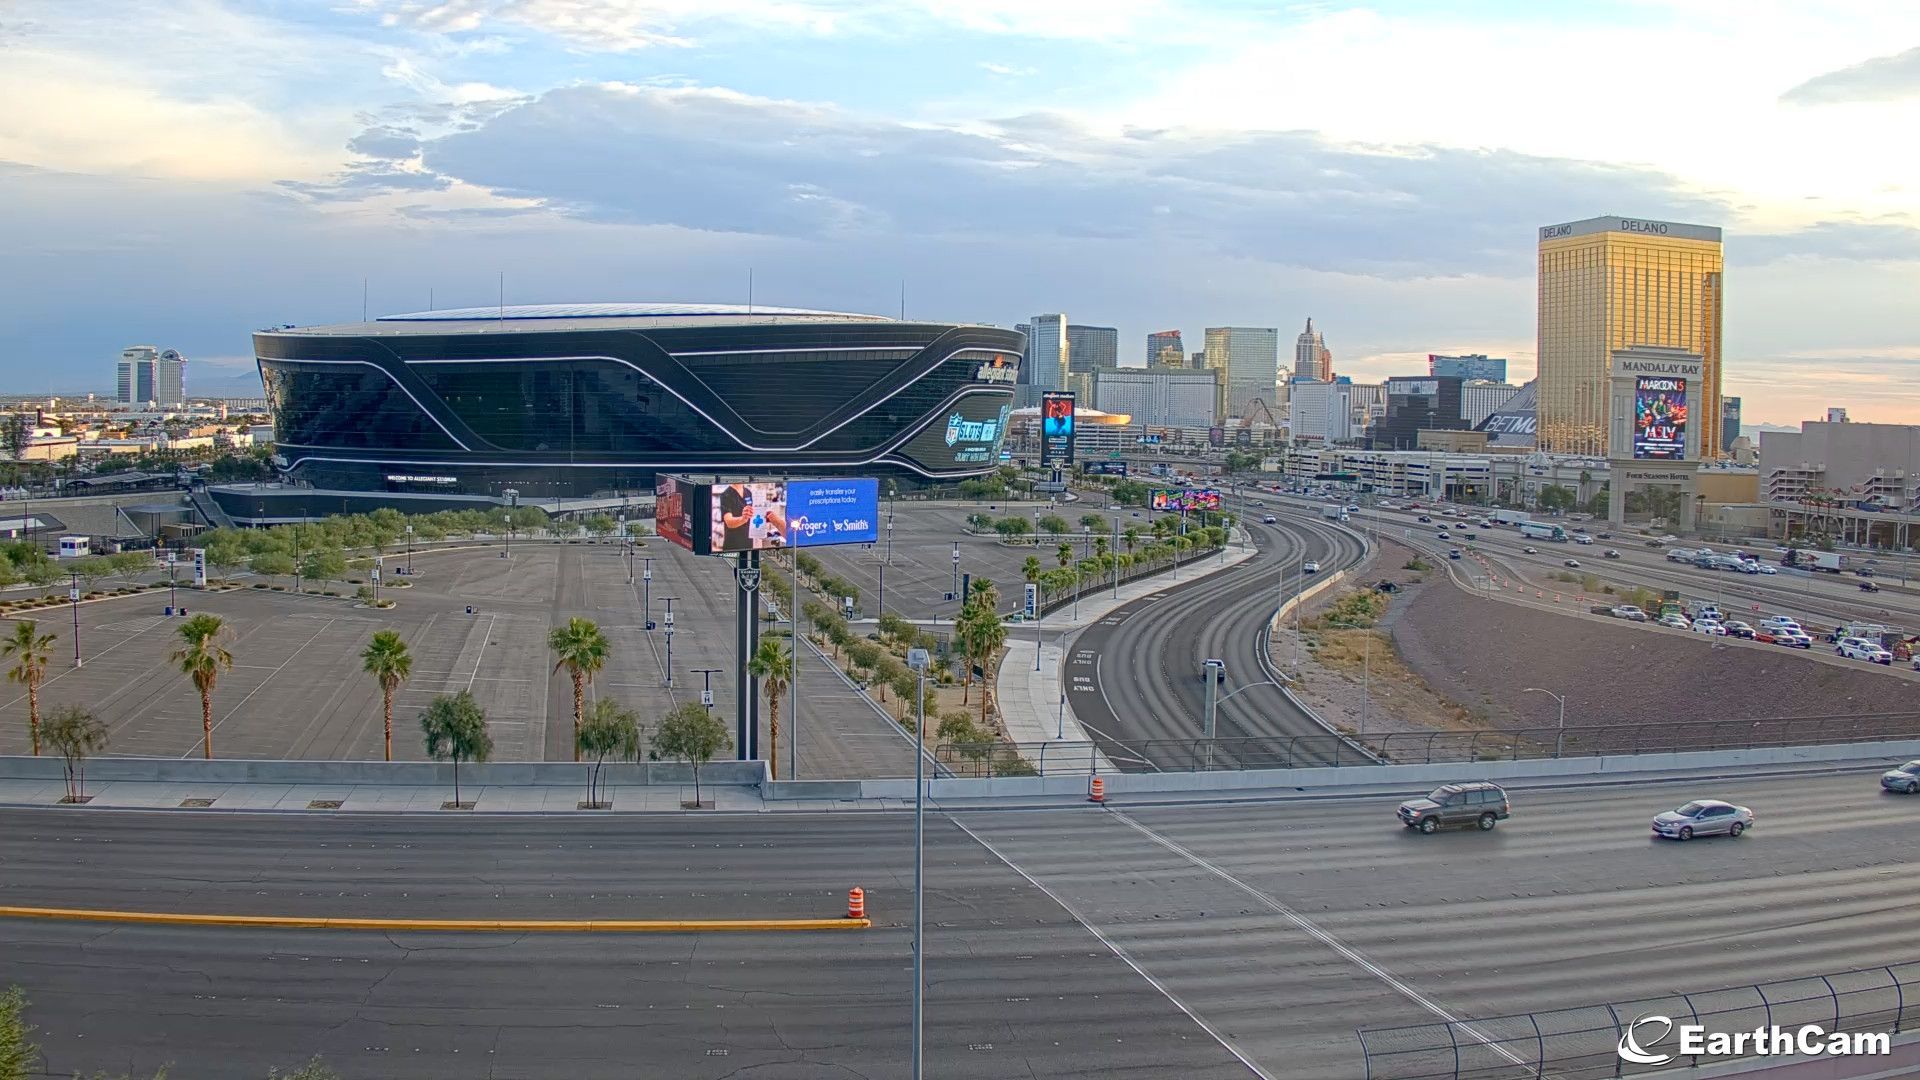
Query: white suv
[(1855, 648), (1774, 623)]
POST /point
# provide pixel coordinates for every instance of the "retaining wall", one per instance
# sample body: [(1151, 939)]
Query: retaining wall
[(399, 773)]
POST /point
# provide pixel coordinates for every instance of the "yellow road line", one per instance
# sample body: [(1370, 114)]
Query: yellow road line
[(571, 926)]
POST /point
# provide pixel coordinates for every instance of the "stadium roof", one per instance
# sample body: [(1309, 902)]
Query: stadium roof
[(540, 318), (610, 311)]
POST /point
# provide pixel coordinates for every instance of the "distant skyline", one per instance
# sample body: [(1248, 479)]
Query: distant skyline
[(1144, 164)]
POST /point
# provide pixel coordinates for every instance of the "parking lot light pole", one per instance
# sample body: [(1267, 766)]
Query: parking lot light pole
[(646, 585), (409, 551), (669, 629), (706, 692), (73, 594), (1559, 739)]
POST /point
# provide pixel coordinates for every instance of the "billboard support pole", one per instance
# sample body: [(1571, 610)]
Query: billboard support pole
[(746, 640), (793, 737)]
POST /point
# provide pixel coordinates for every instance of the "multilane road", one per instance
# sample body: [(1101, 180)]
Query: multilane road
[(1268, 931), (1137, 674)]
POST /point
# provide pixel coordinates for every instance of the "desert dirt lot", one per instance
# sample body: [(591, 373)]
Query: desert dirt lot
[(1482, 653)]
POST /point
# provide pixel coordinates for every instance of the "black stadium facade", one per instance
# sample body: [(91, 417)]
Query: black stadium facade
[(591, 400)]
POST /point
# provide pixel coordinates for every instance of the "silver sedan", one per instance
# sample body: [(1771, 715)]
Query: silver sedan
[(1703, 817)]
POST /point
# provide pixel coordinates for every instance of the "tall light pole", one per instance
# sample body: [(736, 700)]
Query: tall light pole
[(669, 629), (409, 550), (646, 585), (917, 660), (1559, 739), (513, 503), (706, 691), (1113, 548), (73, 594)]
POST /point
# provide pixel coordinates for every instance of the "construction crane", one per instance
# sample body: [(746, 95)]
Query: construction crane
[(1246, 420)]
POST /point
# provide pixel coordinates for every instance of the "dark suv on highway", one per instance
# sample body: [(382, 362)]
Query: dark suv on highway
[(1475, 802)]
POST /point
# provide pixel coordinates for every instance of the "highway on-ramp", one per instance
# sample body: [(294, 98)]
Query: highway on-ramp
[(1137, 673), (1238, 940)]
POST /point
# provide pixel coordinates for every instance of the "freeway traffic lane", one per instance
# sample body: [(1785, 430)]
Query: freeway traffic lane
[(1288, 926), (1015, 985)]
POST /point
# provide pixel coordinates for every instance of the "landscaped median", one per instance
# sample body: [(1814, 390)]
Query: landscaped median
[(517, 926)]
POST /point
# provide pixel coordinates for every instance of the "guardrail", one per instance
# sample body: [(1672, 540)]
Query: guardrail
[(978, 759), (1584, 1043)]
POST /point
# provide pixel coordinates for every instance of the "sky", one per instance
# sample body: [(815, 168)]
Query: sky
[(180, 172)]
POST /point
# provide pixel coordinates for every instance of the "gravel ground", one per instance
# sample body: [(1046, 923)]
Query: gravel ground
[(1482, 653)]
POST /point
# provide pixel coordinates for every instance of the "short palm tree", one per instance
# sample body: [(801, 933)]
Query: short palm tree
[(582, 649), (772, 663), (202, 658), (1030, 569), (29, 652), (386, 659)]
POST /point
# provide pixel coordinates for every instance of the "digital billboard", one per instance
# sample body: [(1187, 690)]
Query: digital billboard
[(747, 517), (1104, 468), (1188, 499), (1659, 418), (1056, 429), (673, 509), (822, 512)]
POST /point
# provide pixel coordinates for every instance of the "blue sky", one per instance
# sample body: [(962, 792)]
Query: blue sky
[(186, 171)]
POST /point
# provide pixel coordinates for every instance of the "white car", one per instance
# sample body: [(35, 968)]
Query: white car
[(1708, 626), (1775, 623), (1309, 567), (1854, 648), (1582, 538), (1678, 622), (1765, 569), (1530, 551)]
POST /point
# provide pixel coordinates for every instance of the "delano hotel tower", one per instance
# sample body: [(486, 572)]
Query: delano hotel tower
[(1610, 283)]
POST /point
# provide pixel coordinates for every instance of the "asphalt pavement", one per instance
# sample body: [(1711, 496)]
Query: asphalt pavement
[(1146, 657)]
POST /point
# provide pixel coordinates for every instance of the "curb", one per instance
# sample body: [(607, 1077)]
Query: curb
[(296, 922)]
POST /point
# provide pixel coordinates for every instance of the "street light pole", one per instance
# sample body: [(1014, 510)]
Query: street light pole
[(669, 629), (73, 594), (706, 691), (1560, 739), (918, 661), (646, 585), (409, 550), (1113, 548)]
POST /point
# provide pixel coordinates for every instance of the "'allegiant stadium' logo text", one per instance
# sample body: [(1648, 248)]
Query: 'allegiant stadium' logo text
[(960, 429)]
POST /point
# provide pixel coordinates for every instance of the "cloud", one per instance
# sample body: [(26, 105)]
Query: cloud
[(1858, 240), (396, 144), (717, 161), (1882, 78)]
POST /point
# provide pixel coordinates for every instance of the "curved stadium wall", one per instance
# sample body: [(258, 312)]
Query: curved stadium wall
[(563, 402)]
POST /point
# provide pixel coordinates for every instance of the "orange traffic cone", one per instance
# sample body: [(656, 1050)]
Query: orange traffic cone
[(1097, 791), (856, 903)]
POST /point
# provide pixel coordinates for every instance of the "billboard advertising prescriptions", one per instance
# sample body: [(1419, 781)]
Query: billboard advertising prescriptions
[(1659, 418), (1056, 429), (1190, 499), (822, 512), (747, 517)]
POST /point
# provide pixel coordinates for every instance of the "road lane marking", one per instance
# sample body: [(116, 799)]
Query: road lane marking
[(299, 922), (1114, 948), (1311, 929)]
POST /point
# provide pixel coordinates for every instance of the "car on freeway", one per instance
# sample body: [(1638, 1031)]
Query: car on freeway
[(1609, 554), (1606, 536), (1864, 571), (1425, 520), (1703, 817), (1680, 555), (1655, 542), (1779, 622), (1792, 639), (1767, 569), (1859, 648), (1904, 779), (1708, 626), (1673, 619), (1868, 586), (1736, 628), (1575, 563), (1269, 520), (1529, 551), (1443, 534), (1476, 802), (1453, 553), (1309, 567), (1582, 538), (1469, 536), (1630, 613)]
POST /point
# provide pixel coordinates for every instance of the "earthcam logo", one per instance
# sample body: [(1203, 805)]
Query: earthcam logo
[(1694, 1040)]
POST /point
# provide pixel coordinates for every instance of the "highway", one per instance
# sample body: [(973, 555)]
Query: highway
[(1280, 928), (1143, 661)]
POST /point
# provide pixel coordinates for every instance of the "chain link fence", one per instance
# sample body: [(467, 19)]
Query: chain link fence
[(987, 759), (1586, 1043)]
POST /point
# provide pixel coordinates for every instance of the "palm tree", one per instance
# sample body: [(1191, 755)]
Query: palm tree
[(386, 659), (772, 664), (1064, 553), (455, 728), (981, 636), (1130, 537), (582, 649), (29, 652), (1030, 569), (202, 659)]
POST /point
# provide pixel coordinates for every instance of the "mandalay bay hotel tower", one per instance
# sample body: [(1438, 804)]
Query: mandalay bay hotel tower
[(1611, 283)]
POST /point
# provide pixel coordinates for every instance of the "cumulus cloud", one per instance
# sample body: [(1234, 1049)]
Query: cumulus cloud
[(718, 161), (1882, 78), (1862, 240)]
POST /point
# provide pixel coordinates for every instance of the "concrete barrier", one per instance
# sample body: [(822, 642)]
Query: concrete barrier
[(816, 789), (399, 773)]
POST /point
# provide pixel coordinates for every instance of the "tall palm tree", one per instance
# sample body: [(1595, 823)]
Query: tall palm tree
[(386, 659), (1030, 569), (29, 651), (582, 649), (981, 637), (202, 659), (772, 664)]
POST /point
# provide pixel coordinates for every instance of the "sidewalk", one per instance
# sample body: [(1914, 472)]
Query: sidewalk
[(1032, 703)]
